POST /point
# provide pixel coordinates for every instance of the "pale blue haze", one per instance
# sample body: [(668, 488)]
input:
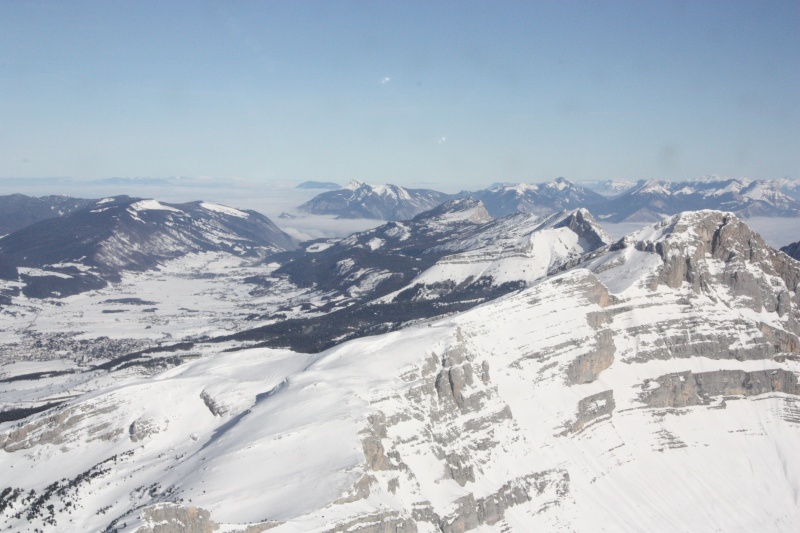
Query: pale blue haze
[(451, 95)]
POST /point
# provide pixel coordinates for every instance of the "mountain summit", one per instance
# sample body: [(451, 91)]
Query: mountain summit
[(382, 202), (537, 198), (96, 243)]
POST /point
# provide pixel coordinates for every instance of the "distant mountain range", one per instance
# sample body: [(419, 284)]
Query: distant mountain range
[(607, 188), (645, 201), (96, 242), (651, 200)]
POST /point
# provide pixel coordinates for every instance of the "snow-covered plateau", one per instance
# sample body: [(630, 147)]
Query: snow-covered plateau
[(643, 384)]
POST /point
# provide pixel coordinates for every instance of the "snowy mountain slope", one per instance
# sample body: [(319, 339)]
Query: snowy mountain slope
[(539, 198), (650, 200), (384, 202), (517, 249), (442, 261), (651, 387), (384, 255), (91, 246), (18, 210)]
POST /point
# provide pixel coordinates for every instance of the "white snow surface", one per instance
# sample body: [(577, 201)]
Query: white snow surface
[(519, 248), (152, 205), (224, 210), (290, 442)]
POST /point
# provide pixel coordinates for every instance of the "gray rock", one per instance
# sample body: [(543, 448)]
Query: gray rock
[(173, 518), (358, 491), (458, 469), (144, 427), (381, 522), (684, 389), (216, 408), (592, 408), (374, 452), (54, 428), (725, 238), (471, 513), (586, 368)]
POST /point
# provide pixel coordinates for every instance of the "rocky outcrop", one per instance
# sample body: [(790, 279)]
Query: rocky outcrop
[(453, 379), (690, 239), (372, 444), (586, 227), (685, 389), (358, 491), (144, 427), (452, 396), (56, 428), (592, 408), (587, 367), (382, 522), (471, 512), (216, 408), (173, 518)]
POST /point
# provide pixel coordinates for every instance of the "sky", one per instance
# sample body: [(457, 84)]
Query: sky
[(438, 94)]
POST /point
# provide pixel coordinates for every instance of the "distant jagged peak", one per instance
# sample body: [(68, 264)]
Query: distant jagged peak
[(538, 198), (712, 185), (559, 183), (581, 222), (652, 186), (716, 178), (355, 184), (362, 200), (519, 188)]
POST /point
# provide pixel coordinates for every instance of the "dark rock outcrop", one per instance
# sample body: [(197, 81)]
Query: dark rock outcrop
[(684, 389)]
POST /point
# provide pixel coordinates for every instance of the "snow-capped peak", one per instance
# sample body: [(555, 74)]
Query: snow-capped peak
[(354, 184)]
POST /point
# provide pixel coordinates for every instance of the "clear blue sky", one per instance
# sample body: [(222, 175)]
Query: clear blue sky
[(448, 94)]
